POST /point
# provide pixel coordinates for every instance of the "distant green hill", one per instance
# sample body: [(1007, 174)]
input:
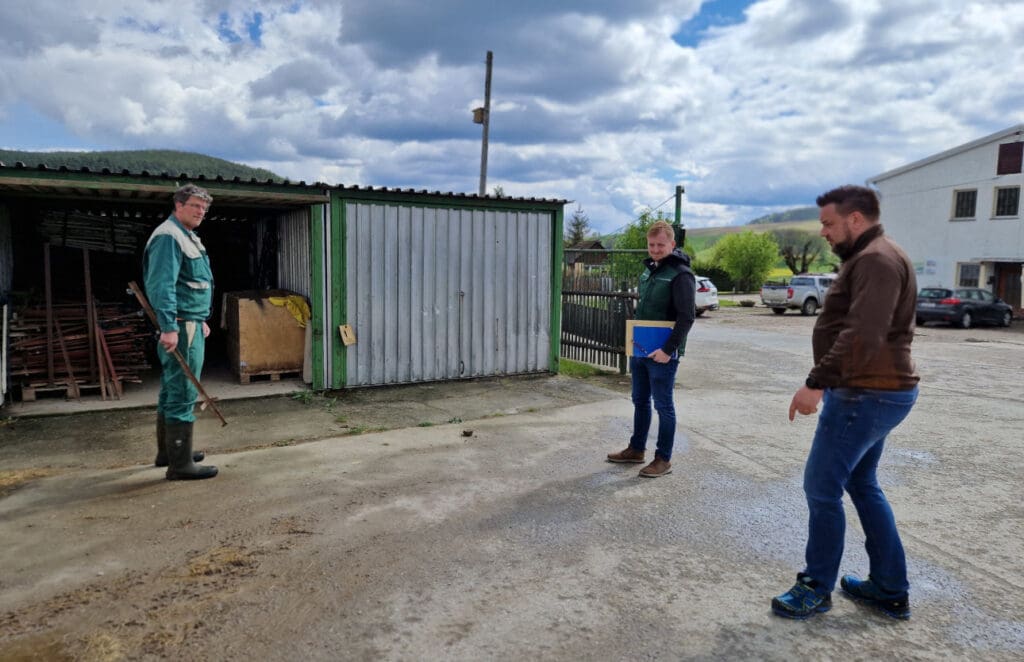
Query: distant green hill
[(797, 214), (153, 161), (704, 238)]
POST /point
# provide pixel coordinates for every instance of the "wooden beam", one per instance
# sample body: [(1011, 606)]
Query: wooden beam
[(72, 382), (48, 293), (115, 382), (90, 315)]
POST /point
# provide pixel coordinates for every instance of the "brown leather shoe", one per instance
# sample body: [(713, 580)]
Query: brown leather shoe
[(658, 467), (629, 455)]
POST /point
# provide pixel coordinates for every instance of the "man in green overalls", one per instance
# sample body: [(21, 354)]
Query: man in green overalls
[(179, 285)]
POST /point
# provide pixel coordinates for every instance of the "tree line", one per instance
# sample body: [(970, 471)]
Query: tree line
[(741, 261)]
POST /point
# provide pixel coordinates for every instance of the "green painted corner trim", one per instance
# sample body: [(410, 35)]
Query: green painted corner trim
[(339, 289), (316, 224), (556, 289)]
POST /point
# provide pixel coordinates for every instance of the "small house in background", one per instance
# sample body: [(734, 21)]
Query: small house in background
[(586, 257), (958, 214)]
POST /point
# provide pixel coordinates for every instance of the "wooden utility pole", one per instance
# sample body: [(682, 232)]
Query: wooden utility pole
[(483, 116)]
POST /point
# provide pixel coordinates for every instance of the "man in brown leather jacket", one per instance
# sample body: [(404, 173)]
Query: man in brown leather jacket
[(864, 376)]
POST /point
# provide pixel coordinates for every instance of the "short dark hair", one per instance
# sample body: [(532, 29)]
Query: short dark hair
[(187, 191), (849, 199)]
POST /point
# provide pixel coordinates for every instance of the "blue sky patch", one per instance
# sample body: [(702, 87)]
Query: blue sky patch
[(26, 129), (712, 14), (252, 23), (134, 24), (225, 31), (254, 26)]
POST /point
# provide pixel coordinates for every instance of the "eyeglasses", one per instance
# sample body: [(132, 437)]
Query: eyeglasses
[(197, 205)]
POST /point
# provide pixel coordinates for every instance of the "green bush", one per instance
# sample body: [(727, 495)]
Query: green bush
[(748, 257), (719, 276)]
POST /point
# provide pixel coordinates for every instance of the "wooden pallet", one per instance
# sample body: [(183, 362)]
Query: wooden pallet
[(31, 393), (267, 376)]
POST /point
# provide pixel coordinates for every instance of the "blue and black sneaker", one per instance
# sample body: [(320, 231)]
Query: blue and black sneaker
[(804, 600), (866, 591)]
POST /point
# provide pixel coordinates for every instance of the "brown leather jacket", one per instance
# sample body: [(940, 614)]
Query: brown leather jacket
[(862, 336)]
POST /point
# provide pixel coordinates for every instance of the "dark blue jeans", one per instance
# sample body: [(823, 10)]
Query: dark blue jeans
[(653, 380), (847, 445)]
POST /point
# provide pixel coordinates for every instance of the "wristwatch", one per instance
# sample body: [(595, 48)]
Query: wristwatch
[(812, 383)]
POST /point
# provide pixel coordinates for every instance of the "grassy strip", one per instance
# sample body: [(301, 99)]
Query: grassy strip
[(576, 369)]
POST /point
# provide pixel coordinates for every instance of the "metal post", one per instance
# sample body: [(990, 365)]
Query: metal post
[(487, 125), (680, 232), (3, 360)]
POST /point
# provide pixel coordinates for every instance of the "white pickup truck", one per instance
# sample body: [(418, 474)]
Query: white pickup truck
[(805, 293)]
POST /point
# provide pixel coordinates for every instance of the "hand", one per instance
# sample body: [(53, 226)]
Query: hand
[(805, 401), (206, 330), (169, 340), (659, 356)]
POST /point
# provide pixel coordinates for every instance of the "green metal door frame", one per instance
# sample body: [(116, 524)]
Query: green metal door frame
[(316, 290), (555, 333)]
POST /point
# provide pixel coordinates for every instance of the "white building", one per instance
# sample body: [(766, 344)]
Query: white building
[(958, 214)]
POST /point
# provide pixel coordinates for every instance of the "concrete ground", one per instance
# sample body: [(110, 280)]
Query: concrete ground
[(478, 520)]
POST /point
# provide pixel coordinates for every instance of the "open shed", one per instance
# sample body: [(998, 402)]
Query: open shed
[(80, 234)]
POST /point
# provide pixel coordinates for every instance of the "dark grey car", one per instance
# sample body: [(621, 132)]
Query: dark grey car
[(963, 307)]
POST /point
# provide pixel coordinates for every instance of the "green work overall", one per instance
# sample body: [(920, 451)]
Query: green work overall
[(179, 284)]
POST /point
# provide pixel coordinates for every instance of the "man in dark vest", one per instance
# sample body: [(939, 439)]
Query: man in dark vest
[(667, 291)]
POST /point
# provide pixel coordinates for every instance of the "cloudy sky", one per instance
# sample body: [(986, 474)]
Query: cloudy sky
[(753, 106)]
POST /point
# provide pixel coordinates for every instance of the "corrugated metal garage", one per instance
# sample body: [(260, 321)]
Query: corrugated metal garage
[(444, 286)]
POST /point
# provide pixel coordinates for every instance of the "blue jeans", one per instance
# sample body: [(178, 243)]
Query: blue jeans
[(653, 380), (847, 445)]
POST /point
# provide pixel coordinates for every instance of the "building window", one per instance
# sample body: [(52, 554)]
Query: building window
[(969, 275), (1007, 201), (964, 203), (1010, 158)]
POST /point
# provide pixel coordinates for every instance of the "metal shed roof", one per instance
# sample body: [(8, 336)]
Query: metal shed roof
[(146, 188), (383, 191)]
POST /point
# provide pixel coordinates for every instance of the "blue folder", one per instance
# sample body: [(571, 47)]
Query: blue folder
[(645, 336)]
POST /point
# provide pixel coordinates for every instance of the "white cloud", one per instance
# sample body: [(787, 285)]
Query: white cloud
[(592, 101)]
